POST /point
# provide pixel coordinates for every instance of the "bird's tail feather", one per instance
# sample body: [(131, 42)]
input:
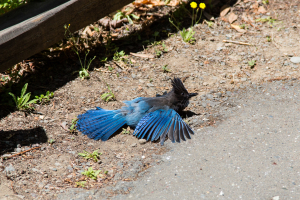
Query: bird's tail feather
[(100, 123)]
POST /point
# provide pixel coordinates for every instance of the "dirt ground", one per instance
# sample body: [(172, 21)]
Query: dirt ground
[(210, 66)]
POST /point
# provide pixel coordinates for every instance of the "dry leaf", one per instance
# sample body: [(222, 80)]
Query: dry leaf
[(262, 10), (224, 10), (238, 28), (232, 17)]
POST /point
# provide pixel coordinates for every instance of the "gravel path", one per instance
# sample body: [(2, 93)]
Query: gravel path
[(252, 154)]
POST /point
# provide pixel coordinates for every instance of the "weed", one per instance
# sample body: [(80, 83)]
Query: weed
[(118, 55), (73, 126), (8, 5), (120, 15), (45, 98), (81, 183), (187, 35), (243, 26), (158, 53), (209, 23), (108, 96), (83, 72), (164, 47), (269, 39), (165, 69), (251, 63), (268, 19), (91, 173), (51, 141), (265, 2), (126, 131), (95, 155), (22, 102)]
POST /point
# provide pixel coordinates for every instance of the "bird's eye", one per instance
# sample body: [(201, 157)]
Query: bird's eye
[(182, 94)]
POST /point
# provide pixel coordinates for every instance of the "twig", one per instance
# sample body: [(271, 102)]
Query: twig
[(118, 65), (236, 42), (21, 152)]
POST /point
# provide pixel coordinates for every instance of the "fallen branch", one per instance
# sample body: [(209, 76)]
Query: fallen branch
[(236, 42), (20, 153)]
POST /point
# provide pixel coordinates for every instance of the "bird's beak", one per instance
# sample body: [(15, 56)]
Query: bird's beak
[(192, 94)]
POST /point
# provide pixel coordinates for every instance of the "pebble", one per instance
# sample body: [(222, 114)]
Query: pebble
[(18, 150), (133, 145), (142, 141), (54, 169), (205, 83), (10, 168), (295, 59), (150, 85)]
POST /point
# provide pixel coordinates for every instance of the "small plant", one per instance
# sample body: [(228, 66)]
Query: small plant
[(45, 98), (80, 183), (165, 69), (95, 155), (73, 126), (265, 2), (164, 47), (120, 15), (268, 19), (51, 141), (83, 72), (8, 5), (269, 39), (187, 35), (243, 26), (155, 34), (251, 63), (158, 53), (108, 96), (126, 131), (93, 174), (209, 23), (118, 55), (22, 102)]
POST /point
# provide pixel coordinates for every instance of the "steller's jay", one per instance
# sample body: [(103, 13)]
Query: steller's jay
[(152, 117)]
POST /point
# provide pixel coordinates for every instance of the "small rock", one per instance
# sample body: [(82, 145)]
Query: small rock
[(150, 85), (10, 168), (295, 59), (133, 145), (205, 84), (34, 170), (54, 169), (142, 141), (209, 96), (18, 150), (243, 79), (275, 198)]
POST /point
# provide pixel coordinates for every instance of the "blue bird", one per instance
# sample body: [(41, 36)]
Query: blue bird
[(152, 117)]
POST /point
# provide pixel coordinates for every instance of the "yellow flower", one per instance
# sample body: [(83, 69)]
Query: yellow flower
[(202, 6), (193, 5)]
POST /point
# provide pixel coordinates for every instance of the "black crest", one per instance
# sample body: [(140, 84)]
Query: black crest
[(179, 87)]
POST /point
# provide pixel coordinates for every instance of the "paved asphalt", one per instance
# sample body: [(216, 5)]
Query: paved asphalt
[(253, 153)]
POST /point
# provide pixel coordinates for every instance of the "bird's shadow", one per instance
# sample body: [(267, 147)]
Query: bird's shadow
[(187, 114), (10, 139)]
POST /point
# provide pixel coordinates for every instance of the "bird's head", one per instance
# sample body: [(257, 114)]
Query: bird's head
[(180, 91)]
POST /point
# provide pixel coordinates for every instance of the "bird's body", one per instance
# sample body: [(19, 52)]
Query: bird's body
[(152, 117)]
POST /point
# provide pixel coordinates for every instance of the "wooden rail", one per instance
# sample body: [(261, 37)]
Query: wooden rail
[(40, 24)]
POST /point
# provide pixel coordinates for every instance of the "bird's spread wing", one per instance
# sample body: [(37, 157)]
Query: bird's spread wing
[(161, 123)]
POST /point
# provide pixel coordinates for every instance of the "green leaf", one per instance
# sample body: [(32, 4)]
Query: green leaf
[(25, 99), (24, 90), (14, 97)]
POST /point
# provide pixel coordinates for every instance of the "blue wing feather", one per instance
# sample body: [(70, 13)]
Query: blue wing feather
[(162, 123)]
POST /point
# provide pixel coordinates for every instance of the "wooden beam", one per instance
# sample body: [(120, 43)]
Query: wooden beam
[(38, 25)]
